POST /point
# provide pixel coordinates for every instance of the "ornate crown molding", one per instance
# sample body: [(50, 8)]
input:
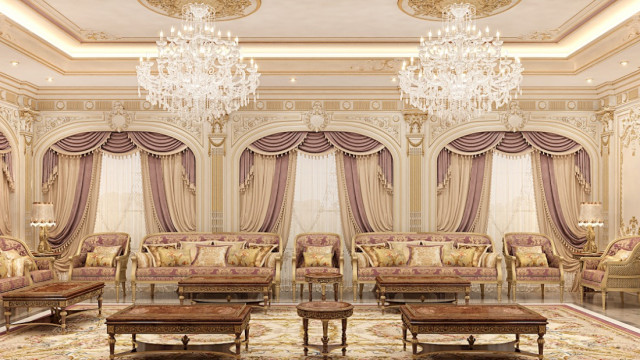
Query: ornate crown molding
[(118, 119), (225, 9), (514, 119), (317, 118), (432, 9)]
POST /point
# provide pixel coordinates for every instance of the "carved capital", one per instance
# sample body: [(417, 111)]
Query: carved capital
[(27, 117), (415, 121), (218, 124)]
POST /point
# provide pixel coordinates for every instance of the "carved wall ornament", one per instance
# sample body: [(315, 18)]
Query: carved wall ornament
[(392, 65), (317, 118), (118, 119), (631, 229), (540, 35), (11, 116), (605, 117), (193, 129), (415, 121), (583, 122), (225, 9), (432, 9), (241, 123), (98, 35), (50, 122), (218, 125), (387, 123), (630, 137), (514, 119)]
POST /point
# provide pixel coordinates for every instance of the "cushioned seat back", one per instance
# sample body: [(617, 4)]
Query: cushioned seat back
[(105, 239), (626, 243), (250, 238), (384, 237), (8, 243), (528, 239), (459, 238), (304, 240)]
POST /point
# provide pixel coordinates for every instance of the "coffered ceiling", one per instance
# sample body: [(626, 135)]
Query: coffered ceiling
[(333, 43)]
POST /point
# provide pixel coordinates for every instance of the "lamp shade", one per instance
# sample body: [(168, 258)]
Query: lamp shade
[(42, 214), (590, 214)]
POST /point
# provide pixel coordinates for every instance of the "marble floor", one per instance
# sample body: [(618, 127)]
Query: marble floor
[(627, 311)]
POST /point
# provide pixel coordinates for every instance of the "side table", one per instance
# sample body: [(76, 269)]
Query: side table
[(325, 311), (323, 279)]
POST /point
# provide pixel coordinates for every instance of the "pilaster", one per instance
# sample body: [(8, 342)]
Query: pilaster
[(415, 152)]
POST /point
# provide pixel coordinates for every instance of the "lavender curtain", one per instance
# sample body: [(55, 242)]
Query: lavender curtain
[(385, 161), (354, 193), (246, 163), (80, 201), (583, 165), (474, 196), (315, 143), (5, 149), (353, 143), (159, 195), (155, 143), (551, 143), (119, 143), (278, 143), (81, 143), (512, 143), (476, 142), (49, 168), (277, 194), (552, 199)]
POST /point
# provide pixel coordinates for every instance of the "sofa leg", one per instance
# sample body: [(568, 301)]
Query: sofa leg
[(277, 286), (542, 290), (293, 291), (482, 291), (301, 291), (622, 298), (124, 290), (581, 294), (604, 300), (355, 292), (499, 290), (133, 292), (117, 292), (562, 292), (360, 290), (152, 290), (513, 292)]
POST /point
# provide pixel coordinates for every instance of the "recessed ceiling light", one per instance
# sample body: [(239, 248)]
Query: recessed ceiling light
[(15, 63), (589, 80), (292, 79), (624, 62), (50, 79)]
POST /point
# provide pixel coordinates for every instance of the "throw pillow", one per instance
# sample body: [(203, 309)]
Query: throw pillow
[(95, 259), (446, 245), (234, 246), (525, 249), (458, 257), (479, 251), (191, 246), (621, 255), (390, 257), (403, 246), (145, 260), (319, 249), (174, 257), (362, 260), (490, 260), (315, 259), (262, 254), (370, 253), (532, 259), (270, 260), (4, 266), (153, 250), (244, 257), (211, 255), (21, 264), (425, 256), (111, 250)]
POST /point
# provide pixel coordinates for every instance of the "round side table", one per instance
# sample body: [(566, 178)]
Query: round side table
[(325, 311), (323, 279)]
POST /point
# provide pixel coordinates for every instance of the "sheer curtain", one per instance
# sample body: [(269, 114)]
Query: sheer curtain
[(120, 200), (512, 205), (316, 207)]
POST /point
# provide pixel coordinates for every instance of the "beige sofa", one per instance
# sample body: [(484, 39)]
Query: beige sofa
[(363, 273), (152, 275), (35, 271)]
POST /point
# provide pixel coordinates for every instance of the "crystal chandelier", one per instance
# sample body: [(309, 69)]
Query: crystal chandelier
[(199, 75), (461, 74)]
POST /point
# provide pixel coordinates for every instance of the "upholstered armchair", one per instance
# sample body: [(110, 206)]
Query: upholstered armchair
[(102, 257), (315, 243), (36, 270), (618, 269), (529, 267)]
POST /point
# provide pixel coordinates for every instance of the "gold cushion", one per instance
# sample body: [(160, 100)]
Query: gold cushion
[(362, 260), (262, 254), (490, 260), (111, 250), (145, 260), (532, 259), (370, 253), (191, 246), (425, 256), (96, 259), (390, 257), (621, 255), (403, 246), (316, 259), (525, 249), (153, 250), (234, 246), (319, 249), (211, 255), (174, 257), (458, 257), (478, 251), (4, 266), (244, 257)]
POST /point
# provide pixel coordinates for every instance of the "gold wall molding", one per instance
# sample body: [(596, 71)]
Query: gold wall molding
[(244, 122), (585, 123), (390, 124), (194, 129), (605, 118), (629, 229), (514, 119)]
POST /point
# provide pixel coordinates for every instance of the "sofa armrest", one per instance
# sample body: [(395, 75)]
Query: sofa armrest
[(341, 263), (354, 268), (134, 266), (499, 278), (625, 268), (78, 260)]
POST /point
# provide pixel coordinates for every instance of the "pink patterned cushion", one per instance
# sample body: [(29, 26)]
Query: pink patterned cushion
[(41, 275), (537, 273), (525, 239), (254, 238), (595, 276), (470, 273), (592, 263), (624, 244), (301, 272), (12, 283), (316, 240), (104, 240), (85, 273), (10, 244), (176, 273), (42, 264)]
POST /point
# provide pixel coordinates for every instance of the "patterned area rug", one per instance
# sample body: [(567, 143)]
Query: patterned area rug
[(571, 334)]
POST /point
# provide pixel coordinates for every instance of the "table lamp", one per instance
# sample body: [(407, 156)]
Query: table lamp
[(42, 216), (590, 216)]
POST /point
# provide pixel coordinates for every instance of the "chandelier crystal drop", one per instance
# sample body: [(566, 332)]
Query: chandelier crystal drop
[(460, 73), (199, 74)]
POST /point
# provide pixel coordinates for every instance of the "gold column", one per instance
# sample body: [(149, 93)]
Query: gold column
[(27, 119), (217, 145), (415, 152)]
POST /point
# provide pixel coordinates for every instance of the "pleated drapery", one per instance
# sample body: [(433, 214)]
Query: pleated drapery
[(70, 174), (7, 185), (364, 212)]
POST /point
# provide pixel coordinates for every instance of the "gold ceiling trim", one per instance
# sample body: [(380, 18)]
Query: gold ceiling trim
[(432, 9), (225, 9)]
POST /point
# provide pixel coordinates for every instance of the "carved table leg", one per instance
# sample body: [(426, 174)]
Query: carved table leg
[(382, 298), (325, 338), (181, 295), (414, 343), (335, 291), (112, 345), (238, 343), (541, 346), (133, 343), (467, 291), (246, 338), (344, 336), (7, 316), (310, 291), (517, 342), (404, 337), (63, 319), (265, 298), (305, 326), (185, 341), (100, 304)]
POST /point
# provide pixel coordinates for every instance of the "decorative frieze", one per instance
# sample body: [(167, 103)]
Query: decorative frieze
[(317, 118), (50, 122), (390, 124), (118, 119), (630, 135), (514, 119), (605, 117)]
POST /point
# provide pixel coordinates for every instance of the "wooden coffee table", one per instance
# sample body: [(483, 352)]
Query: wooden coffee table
[(421, 285), (471, 319), (56, 295), (227, 284), (181, 319), (324, 311), (323, 279)]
